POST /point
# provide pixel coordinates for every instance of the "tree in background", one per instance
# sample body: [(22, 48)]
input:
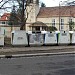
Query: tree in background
[(21, 13), (20, 5), (13, 19), (52, 28), (21, 10), (71, 25), (43, 4), (70, 3), (6, 5)]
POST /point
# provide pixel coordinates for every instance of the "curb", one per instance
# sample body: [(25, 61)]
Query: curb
[(12, 50), (35, 55)]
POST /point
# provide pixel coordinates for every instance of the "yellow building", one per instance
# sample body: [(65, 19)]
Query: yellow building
[(39, 18)]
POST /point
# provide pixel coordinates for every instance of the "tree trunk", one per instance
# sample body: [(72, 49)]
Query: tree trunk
[(23, 26), (22, 17)]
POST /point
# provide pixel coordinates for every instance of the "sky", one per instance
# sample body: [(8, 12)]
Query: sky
[(52, 3), (48, 3)]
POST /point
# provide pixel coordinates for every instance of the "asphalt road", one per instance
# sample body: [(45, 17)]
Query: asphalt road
[(43, 65)]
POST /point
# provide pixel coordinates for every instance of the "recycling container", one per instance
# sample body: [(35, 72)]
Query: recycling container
[(63, 37), (19, 38), (50, 38), (35, 38), (73, 38)]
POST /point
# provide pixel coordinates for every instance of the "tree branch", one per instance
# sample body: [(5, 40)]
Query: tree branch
[(4, 3), (1, 1)]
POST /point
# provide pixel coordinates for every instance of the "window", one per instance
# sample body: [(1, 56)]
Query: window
[(31, 1), (70, 20), (3, 22), (53, 22), (7, 22), (62, 24)]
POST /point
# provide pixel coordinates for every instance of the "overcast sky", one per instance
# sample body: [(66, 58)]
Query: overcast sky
[(51, 3)]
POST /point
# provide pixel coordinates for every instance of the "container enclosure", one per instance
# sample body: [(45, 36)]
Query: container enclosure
[(19, 38), (36, 38), (64, 37), (73, 37), (50, 38)]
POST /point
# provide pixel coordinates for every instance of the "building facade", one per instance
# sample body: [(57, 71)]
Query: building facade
[(58, 17), (4, 25), (40, 18), (4, 19)]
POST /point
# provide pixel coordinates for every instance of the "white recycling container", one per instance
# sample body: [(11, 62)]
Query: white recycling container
[(50, 38), (19, 38), (35, 38), (73, 38), (1, 37), (64, 37)]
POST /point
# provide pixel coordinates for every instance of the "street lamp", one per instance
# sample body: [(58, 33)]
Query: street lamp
[(59, 15)]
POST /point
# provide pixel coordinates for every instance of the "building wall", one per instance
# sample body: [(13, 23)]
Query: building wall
[(32, 10), (3, 22), (9, 29), (48, 22)]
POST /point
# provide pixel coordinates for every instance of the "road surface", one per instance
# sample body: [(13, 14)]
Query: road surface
[(39, 65)]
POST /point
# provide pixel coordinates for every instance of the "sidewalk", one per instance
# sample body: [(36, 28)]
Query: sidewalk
[(31, 50)]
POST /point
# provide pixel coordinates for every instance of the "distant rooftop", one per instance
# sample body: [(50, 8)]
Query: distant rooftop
[(65, 11), (5, 17)]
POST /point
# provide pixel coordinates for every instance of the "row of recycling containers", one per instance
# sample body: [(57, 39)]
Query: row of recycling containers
[(40, 38)]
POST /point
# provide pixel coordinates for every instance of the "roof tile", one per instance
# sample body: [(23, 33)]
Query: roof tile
[(64, 11), (5, 17)]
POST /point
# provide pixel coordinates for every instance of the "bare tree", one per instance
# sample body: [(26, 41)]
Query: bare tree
[(68, 3), (21, 6), (23, 12), (43, 4), (6, 5)]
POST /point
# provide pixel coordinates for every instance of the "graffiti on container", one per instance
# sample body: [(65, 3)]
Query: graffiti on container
[(20, 38), (64, 34), (50, 35), (36, 38)]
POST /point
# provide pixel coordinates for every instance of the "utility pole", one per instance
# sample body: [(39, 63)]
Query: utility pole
[(59, 15)]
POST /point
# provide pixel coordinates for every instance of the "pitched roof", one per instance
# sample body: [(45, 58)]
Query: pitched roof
[(38, 23), (5, 17), (64, 11)]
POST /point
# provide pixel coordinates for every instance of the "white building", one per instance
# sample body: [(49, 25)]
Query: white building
[(39, 18)]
